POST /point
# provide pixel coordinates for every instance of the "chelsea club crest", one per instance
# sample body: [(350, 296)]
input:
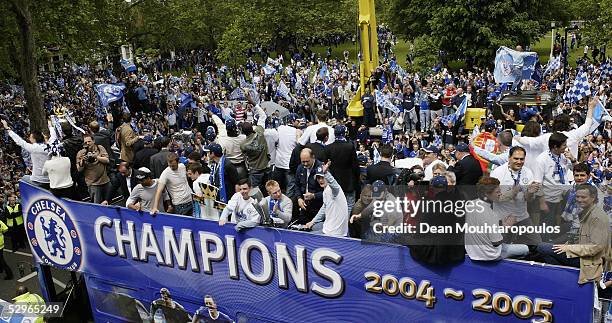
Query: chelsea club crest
[(53, 235)]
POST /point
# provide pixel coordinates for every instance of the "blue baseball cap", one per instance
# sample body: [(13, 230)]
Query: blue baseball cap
[(439, 182), (431, 149), (462, 147), (490, 125), (340, 131), (148, 139), (215, 149), (378, 188), (230, 123), (319, 172)]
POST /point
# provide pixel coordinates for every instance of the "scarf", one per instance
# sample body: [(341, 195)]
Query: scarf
[(559, 170), (218, 179), (517, 180), (271, 204)]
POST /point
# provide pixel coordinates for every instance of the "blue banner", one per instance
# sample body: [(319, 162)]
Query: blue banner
[(170, 268), (109, 93), (128, 66), (508, 60)]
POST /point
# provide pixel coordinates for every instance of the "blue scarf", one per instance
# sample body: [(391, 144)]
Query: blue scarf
[(559, 170), (219, 170), (271, 206), (517, 180), (571, 201)]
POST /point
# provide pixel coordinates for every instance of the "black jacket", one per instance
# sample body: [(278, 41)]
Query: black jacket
[(72, 145), (344, 166), (319, 151), (467, 171), (119, 186), (143, 157), (103, 138), (382, 171)]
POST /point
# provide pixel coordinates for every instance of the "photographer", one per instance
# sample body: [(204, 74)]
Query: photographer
[(92, 161)]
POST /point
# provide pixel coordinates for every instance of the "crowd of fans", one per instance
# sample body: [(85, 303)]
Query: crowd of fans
[(194, 146)]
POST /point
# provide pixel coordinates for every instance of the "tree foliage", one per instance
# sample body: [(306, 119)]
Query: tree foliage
[(472, 30)]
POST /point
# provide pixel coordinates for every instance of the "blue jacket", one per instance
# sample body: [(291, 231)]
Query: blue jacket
[(313, 185)]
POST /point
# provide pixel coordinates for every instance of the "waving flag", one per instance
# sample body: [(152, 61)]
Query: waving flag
[(553, 65), (600, 114), (186, 101), (128, 66), (324, 73), (506, 60), (250, 88), (108, 93), (269, 70), (383, 102), (283, 91), (237, 94), (579, 89), (458, 115)]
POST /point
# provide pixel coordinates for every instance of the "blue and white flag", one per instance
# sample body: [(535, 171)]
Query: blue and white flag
[(250, 88), (401, 72), (553, 65), (600, 114), (606, 69), (375, 156), (507, 60), (579, 89), (186, 101), (383, 102), (458, 115), (128, 66), (108, 93), (269, 70), (283, 91), (324, 73), (237, 94)]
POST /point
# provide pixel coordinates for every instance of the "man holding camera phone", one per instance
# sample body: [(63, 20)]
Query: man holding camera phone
[(92, 161)]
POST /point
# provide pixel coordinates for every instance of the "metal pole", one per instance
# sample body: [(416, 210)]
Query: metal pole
[(564, 60), (552, 40)]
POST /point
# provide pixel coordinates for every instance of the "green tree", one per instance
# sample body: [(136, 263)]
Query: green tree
[(82, 29), (472, 30)]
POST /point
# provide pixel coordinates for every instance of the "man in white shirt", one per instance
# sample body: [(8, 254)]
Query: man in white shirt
[(241, 208), (310, 133), (174, 179), (334, 213), (537, 145), (288, 136), (517, 187), (430, 160), (554, 172)]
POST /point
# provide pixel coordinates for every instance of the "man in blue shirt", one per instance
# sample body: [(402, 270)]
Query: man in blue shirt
[(209, 313), (526, 113)]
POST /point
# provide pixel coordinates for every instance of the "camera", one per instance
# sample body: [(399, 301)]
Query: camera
[(91, 157), (408, 175)]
